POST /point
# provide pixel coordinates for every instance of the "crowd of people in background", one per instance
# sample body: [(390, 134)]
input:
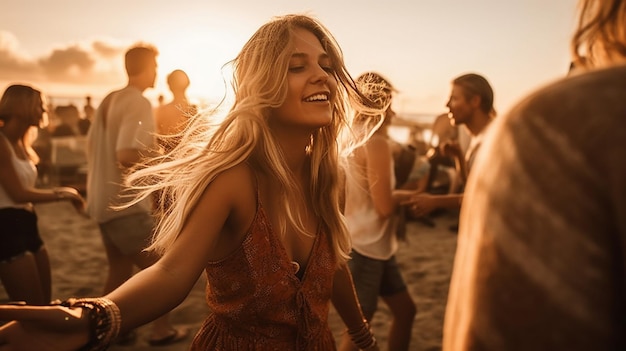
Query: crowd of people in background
[(542, 214)]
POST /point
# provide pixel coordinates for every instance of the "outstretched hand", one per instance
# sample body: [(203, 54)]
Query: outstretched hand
[(74, 196), (421, 205), (44, 328)]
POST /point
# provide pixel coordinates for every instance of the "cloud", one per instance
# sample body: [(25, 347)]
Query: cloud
[(105, 49), (70, 60), (13, 63), (98, 62)]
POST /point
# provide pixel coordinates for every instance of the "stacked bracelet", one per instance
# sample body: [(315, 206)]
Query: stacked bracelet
[(105, 321), (362, 337)]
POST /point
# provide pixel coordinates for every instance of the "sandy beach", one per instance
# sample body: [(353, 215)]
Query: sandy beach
[(79, 268)]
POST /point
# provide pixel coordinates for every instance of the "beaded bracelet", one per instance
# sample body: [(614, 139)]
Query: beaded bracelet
[(105, 321), (363, 337)]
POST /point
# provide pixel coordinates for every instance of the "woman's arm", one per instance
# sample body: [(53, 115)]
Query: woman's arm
[(379, 175), (423, 204), (21, 194), (156, 289), (346, 303), (344, 298), (177, 271)]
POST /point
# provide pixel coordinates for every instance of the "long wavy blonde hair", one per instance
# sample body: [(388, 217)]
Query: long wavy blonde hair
[(260, 85), (600, 37)]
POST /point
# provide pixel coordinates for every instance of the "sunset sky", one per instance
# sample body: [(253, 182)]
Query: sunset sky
[(70, 48)]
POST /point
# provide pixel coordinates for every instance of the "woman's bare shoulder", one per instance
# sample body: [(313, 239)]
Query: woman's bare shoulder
[(237, 183), (237, 175)]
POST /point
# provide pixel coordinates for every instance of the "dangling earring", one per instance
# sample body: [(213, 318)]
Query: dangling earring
[(309, 148)]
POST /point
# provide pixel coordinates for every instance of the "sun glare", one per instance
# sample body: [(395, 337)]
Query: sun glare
[(202, 57)]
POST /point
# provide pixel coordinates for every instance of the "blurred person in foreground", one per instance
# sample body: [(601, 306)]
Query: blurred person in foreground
[(541, 256), (256, 208), (24, 262)]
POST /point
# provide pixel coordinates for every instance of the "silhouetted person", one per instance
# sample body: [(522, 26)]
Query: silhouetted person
[(88, 109), (172, 118)]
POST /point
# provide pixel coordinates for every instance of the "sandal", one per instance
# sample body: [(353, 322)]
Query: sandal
[(174, 336)]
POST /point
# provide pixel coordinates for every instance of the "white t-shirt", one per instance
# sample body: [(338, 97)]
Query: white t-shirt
[(129, 125)]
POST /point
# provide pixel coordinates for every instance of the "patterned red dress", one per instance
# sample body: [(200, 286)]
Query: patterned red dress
[(259, 304)]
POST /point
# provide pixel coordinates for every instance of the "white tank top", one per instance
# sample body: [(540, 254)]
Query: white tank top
[(371, 236), (26, 173)]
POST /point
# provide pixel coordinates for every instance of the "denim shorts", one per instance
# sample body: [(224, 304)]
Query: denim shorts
[(131, 233), (18, 233), (374, 278)]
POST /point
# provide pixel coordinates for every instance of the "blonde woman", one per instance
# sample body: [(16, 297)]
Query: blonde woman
[(255, 204), (371, 207)]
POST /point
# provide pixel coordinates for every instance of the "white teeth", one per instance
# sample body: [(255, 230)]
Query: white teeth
[(317, 97)]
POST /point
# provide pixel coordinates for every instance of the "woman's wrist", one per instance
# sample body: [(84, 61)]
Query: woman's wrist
[(362, 336), (60, 194), (104, 318)]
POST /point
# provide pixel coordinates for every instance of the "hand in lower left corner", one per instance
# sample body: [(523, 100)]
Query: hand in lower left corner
[(43, 328)]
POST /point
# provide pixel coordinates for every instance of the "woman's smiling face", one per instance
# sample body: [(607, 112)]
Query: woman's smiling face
[(311, 85)]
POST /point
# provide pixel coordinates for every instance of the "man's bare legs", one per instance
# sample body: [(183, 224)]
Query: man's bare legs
[(121, 269)]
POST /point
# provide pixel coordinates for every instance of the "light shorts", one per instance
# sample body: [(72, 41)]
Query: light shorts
[(131, 233), (373, 278)]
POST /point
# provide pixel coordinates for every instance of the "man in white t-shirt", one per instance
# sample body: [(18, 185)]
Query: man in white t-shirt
[(122, 134)]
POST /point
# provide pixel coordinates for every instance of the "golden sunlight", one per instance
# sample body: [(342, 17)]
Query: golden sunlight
[(202, 56)]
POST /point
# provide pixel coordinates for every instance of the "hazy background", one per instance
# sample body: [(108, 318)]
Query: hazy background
[(71, 48)]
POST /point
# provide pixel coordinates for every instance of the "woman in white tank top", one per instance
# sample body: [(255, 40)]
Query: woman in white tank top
[(24, 263), (371, 207)]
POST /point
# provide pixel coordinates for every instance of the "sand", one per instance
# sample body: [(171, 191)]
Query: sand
[(79, 268)]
